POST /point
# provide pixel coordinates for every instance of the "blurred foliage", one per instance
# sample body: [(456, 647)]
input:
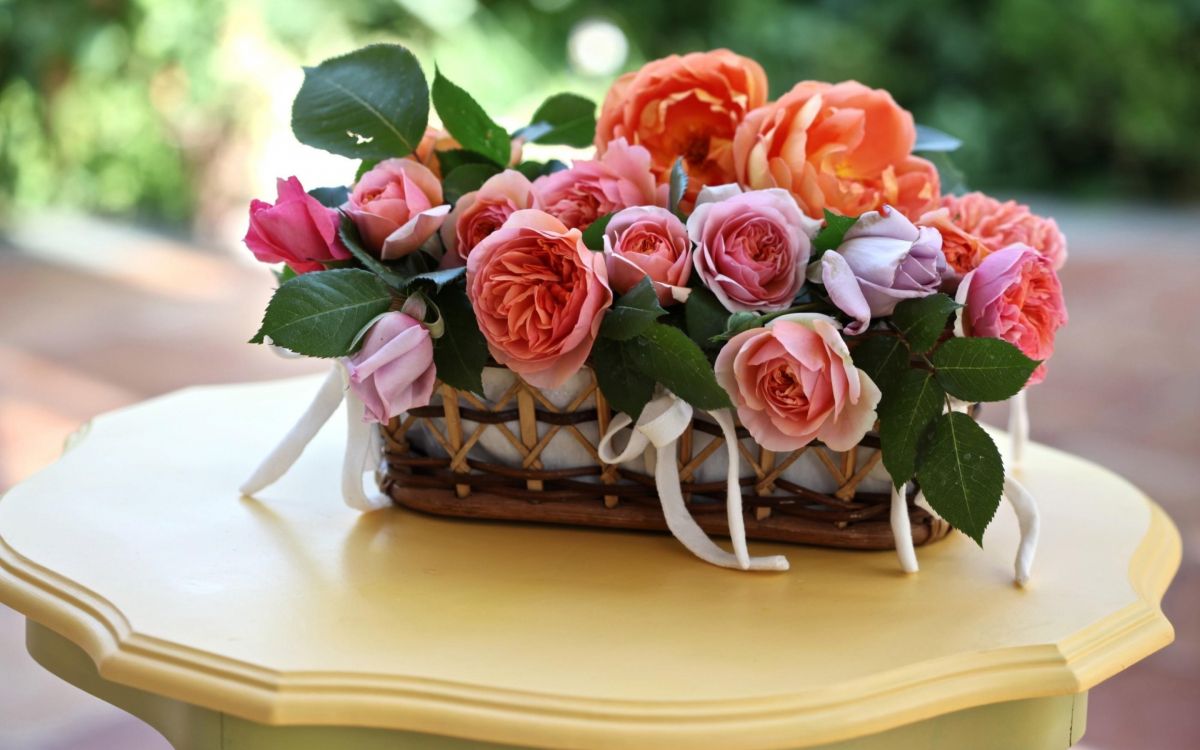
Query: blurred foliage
[(120, 106)]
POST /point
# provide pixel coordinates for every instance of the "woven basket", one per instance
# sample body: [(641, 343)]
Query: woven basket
[(524, 454)]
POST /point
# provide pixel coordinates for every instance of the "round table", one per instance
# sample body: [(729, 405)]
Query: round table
[(291, 621)]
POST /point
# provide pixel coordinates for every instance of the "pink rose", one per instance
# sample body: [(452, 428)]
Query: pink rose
[(479, 213), (297, 230), (397, 206), (1015, 295), (882, 260), (649, 241), (621, 178), (539, 295), (975, 225), (393, 371), (794, 382), (751, 248)]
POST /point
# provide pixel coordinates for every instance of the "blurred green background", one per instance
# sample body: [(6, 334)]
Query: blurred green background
[(172, 112)]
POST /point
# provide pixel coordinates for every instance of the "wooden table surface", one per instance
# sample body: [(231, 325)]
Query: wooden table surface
[(294, 610)]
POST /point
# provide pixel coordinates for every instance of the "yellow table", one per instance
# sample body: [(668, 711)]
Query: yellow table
[(294, 622)]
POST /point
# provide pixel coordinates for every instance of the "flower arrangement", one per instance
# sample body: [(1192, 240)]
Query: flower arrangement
[(791, 261)]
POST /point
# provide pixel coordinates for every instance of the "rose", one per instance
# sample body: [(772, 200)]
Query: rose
[(539, 295), (393, 371), (843, 147), (1014, 295), (685, 107), (481, 212), (297, 230), (436, 140), (975, 225), (793, 381), (751, 248), (591, 189), (396, 206), (882, 260), (649, 241)]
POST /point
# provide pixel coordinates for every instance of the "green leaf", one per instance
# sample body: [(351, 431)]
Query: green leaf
[(882, 358), (913, 401), (832, 234), (467, 121), (705, 316), (451, 159), (633, 312), (961, 473), (593, 236), (982, 369), (348, 232), (285, 274), (370, 104), (331, 197), (667, 355), (932, 139), (625, 387), (466, 178), (319, 314), (679, 185), (461, 352), (923, 321), (437, 279), (563, 119)]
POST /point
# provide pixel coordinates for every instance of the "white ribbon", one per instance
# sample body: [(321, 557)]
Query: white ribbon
[(902, 530), (1018, 428), (661, 424)]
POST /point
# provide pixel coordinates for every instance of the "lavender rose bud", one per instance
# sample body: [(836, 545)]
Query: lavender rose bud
[(394, 371), (883, 259)]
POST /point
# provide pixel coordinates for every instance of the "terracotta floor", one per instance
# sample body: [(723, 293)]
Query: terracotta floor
[(93, 317)]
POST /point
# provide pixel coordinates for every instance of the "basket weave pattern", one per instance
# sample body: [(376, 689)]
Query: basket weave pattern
[(600, 494)]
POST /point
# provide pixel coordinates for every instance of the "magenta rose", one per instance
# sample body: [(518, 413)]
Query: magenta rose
[(882, 260), (1015, 295), (393, 371), (396, 206), (297, 230), (621, 178), (481, 212), (794, 382), (751, 248), (649, 241)]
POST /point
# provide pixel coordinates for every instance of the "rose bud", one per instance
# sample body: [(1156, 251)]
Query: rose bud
[(393, 371), (297, 230)]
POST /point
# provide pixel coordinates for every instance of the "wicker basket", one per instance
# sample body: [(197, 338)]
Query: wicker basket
[(543, 466)]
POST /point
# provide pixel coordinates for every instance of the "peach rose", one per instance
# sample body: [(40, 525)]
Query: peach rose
[(686, 107), (975, 225), (794, 382), (539, 295), (481, 212), (436, 139), (843, 147), (1015, 295), (396, 206), (649, 241), (590, 189)]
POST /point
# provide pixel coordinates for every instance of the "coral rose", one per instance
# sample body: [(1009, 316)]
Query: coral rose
[(297, 230), (590, 189), (843, 147), (393, 371), (751, 248), (539, 295), (794, 382), (396, 206), (1014, 295), (481, 212), (649, 241), (975, 225), (685, 107)]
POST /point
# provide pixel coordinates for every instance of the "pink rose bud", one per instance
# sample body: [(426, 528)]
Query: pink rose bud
[(1015, 295), (393, 371), (539, 295), (297, 230), (882, 260), (751, 248), (794, 382), (649, 241), (396, 207), (621, 178), (477, 214)]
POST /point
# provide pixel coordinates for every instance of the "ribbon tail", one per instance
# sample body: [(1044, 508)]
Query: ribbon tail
[(279, 460), (1029, 523), (902, 530), (733, 489), (1018, 428), (357, 458)]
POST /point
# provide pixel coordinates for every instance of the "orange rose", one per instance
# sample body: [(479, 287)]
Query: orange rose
[(840, 146), (686, 107)]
